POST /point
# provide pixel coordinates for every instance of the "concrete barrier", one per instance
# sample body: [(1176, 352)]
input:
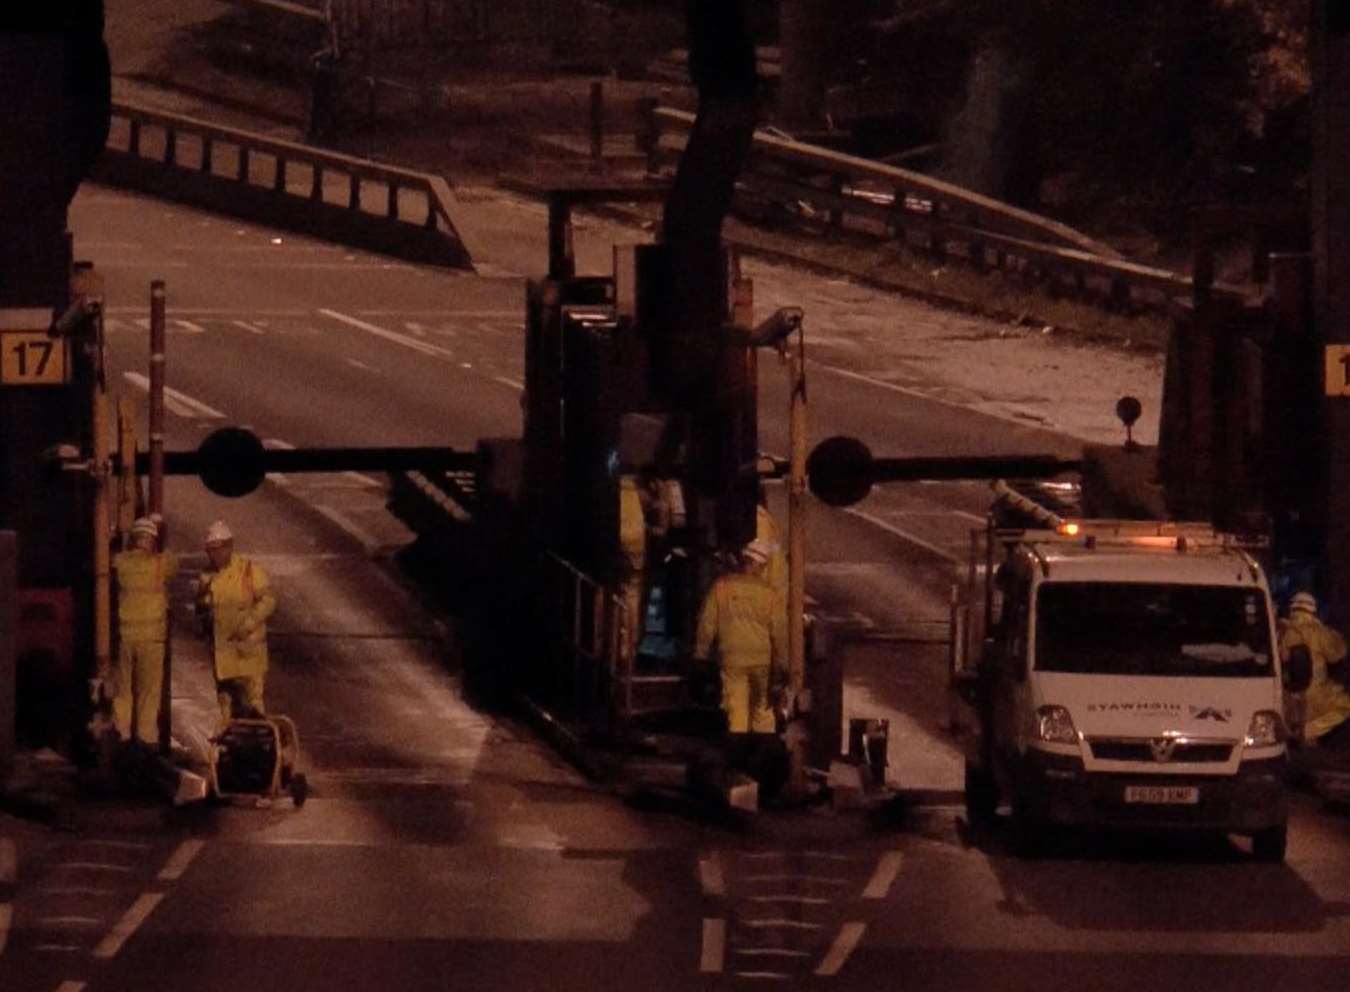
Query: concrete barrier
[(284, 184)]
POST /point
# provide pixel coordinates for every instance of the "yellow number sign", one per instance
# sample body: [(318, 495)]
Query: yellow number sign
[(31, 358), (1338, 370)]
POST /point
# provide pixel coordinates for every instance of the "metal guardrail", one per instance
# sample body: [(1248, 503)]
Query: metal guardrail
[(284, 184), (859, 196)]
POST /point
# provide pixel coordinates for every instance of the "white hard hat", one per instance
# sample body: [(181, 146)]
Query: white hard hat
[(144, 525), (1303, 601), (219, 533), (756, 554)]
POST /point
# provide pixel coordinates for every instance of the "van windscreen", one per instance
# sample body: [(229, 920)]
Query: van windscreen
[(1128, 628)]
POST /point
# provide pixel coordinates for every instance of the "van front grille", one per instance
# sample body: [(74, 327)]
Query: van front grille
[(1143, 750)]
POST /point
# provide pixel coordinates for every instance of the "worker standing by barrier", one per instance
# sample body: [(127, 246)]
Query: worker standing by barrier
[(742, 615), (142, 618), (237, 594), (1326, 702)]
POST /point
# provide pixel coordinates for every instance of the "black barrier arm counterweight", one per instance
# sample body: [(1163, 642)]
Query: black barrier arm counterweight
[(232, 461), (842, 470)]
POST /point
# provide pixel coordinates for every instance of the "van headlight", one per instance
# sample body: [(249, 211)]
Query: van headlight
[(1055, 726), (1266, 730)]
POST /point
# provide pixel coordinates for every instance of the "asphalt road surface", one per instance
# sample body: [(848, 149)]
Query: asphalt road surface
[(445, 847)]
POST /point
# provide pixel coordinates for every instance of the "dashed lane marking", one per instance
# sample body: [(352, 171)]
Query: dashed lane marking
[(131, 920), (368, 541), (380, 332), (802, 900), (781, 923), (849, 936), (770, 952), (248, 326), (710, 875), (714, 946), (512, 383), (904, 535), (70, 987), (181, 858), (180, 403), (880, 884)]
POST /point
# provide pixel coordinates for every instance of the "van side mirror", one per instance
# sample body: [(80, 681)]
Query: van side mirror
[(1298, 669)]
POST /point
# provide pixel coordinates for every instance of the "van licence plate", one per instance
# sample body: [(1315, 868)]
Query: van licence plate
[(1167, 795)]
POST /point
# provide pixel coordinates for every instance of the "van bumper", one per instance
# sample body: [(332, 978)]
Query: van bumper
[(1057, 789)]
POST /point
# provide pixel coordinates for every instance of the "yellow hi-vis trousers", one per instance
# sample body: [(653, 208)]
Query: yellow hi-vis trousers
[(138, 678), (246, 689), (745, 700)]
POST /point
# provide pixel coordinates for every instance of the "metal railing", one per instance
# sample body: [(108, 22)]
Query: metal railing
[(889, 203), (284, 184)]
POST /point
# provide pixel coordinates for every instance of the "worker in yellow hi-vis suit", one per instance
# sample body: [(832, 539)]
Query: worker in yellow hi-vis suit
[(747, 621), (142, 623), (238, 594), (1327, 703)]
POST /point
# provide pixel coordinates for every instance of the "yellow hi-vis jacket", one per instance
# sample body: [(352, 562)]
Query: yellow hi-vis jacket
[(240, 598), (142, 605), (747, 619), (1326, 702)]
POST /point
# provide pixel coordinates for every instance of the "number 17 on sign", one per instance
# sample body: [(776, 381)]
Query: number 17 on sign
[(1338, 370)]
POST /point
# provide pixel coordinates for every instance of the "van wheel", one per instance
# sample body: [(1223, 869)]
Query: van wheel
[(981, 796), (1269, 845)]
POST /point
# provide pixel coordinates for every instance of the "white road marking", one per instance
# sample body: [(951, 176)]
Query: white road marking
[(827, 856), (276, 444), (710, 875), (714, 945), (415, 328), (903, 535), (803, 900), (179, 403), (181, 858), (60, 948), (70, 986), (776, 976), (780, 923), (363, 537), (508, 382), (212, 311), (357, 364), (131, 920), (251, 328), (843, 946), (380, 332), (414, 312), (880, 884)]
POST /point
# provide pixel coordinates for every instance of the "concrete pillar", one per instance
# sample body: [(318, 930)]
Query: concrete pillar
[(1330, 37)]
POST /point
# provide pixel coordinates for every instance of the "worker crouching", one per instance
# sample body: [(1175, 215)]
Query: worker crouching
[(236, 594), (745, 619), (142, 612)]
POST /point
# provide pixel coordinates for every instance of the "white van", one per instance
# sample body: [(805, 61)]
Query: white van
[(1124, 674)]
